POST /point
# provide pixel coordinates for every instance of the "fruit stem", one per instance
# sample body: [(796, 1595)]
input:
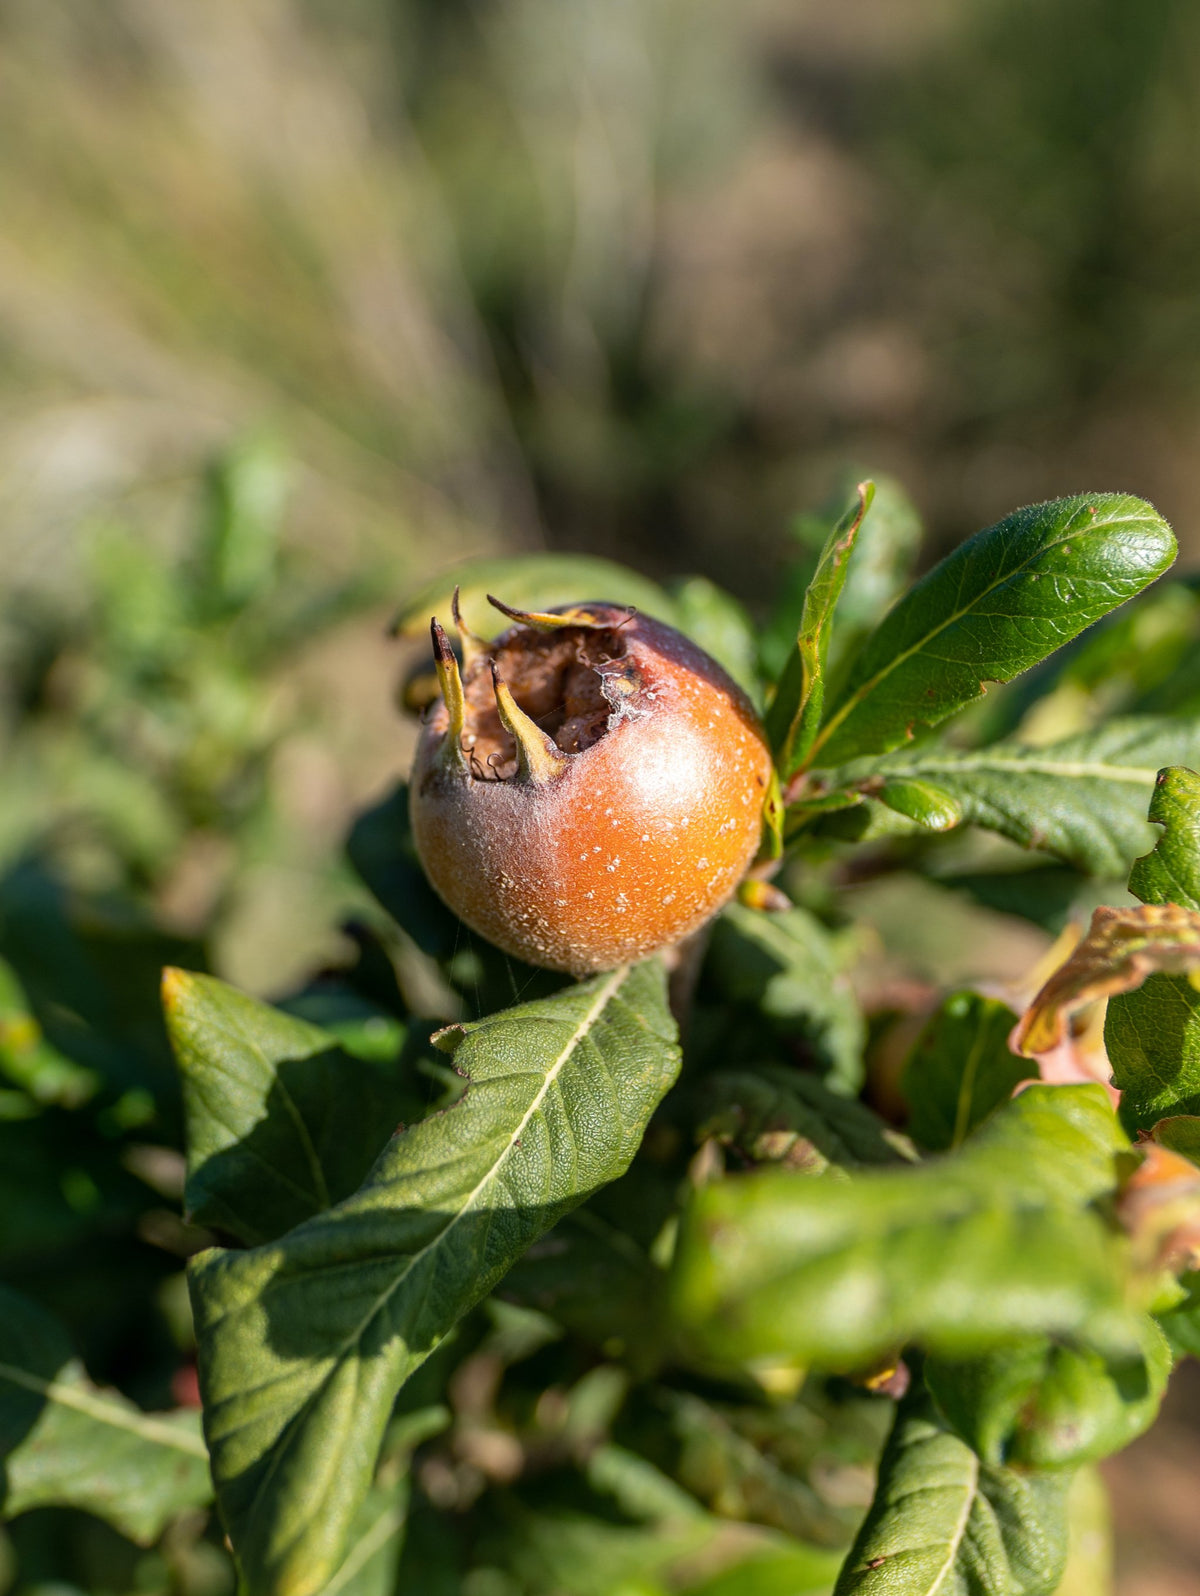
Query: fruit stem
[(538, 756)]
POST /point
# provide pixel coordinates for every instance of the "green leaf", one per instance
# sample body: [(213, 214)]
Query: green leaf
[(1083, 799), (787, 968), (1089, 1570), (590, 1276), (374, 1545), (774, 1114), (304, 1343), (715, 620), (381, 849), (998, 604), (1038, 1404), (795, 710), (1153, 1042), (944, 1522), (614, 1532), (1153, 1034), (743, 1464), (281, 1122), (930, 806), (961, 1254), (28, 1060), (1046, 894), (64, 1442), (1171, 872), (783, 1570), (530, 582), (960, 1070), (1181, 1323), (885, 552), (1181, 1133)]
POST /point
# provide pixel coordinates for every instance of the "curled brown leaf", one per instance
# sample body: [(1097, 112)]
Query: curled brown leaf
[(1122, 948)]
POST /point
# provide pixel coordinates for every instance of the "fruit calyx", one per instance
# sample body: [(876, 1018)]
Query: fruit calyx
[(545, 691)]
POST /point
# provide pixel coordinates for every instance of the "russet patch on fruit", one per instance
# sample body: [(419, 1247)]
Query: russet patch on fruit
[(590, 787)]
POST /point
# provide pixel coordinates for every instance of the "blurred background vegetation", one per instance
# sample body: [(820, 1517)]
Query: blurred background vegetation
[(301, 300)]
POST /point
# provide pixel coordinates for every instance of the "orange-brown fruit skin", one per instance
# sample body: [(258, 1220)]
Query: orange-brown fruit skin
[(640, 839)]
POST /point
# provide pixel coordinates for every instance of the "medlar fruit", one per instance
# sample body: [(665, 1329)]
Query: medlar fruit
[(589, 789)]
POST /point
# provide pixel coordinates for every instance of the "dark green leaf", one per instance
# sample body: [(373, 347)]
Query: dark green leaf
[(28, 1060), (944, 1522), (1083, 799), (774, 1114), (960, 1070), (65, 1442), (795, 710), (281, 1122), (743, 1464), (359, 1027), (1045, 893), (590, 1276), (1153, 1034), (381, 849), (1000, 603), (961, 1254), (786, 967), (304, 1343), (617, 1529), (90, 969), (1039, 1404)]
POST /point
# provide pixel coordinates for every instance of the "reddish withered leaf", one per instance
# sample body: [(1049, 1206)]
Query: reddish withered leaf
[(1122, 948)]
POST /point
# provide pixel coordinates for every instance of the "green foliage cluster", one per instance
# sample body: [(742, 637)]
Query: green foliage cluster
[(145, 716), (512, 1286)]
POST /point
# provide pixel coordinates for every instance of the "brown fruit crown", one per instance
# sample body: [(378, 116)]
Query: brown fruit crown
[(589, 789)]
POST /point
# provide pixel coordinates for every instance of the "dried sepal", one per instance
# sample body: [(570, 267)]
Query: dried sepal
[(473, 646), (552, 621), (538, 757), (450, 682)]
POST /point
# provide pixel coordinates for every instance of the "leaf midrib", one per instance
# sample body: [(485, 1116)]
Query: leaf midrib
[(105, 1412), (270, 1069), (960, 1528), (870, 685), (1071, 769)]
